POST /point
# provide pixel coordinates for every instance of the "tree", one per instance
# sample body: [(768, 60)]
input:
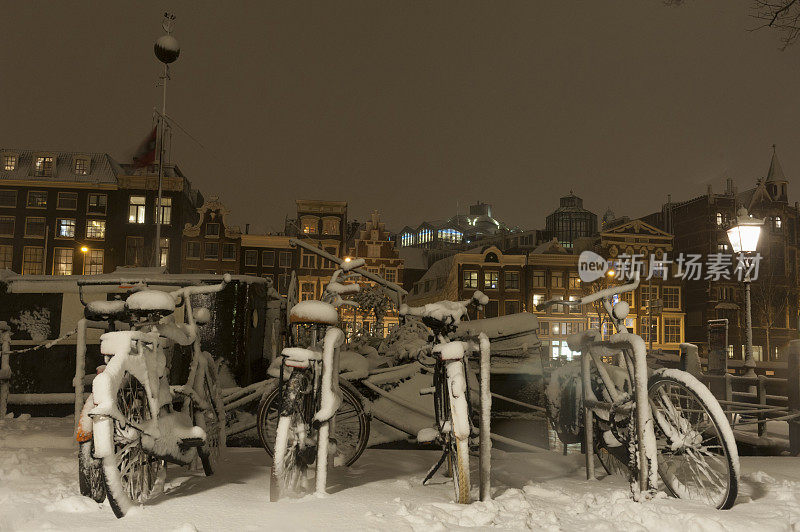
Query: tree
[(770, 299), (373, 300), (781, 15)]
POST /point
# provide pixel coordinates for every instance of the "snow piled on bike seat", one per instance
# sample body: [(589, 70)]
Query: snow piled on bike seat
[(151, 300), (312, 311)]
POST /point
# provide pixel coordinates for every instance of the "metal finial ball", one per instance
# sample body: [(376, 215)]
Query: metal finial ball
[(166, 49)]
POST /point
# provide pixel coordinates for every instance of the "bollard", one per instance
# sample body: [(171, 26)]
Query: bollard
[(80, 369), (793, 393), (485, 419), (588, 415)]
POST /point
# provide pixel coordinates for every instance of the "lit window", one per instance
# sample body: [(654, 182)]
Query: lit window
[(309, 225), (574, 280), (424, 236), (62, 261), (306, 291), (65, 228), (450, 235), (7, 225), (672, 330), (470, 279), (166, 210), (96, 204), (96, 229), (720, 220), (9, 162), (32, 260), (43, 166), (136, 209), (94, 262), (81, 166), (37, 199), (67, 200), (163, 251), (251, 257), (491, 280), (407, 239), (777, 222), (6, 256), (34, 226), (537, 299)]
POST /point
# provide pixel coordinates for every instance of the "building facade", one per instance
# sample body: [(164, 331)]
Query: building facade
[(271, 257), (571, 221), (700, 225), (212, 245)]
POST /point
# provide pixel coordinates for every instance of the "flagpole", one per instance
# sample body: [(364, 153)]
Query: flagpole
[(157, 252), (167, 51)]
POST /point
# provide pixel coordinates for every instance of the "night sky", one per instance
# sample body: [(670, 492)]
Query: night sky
[(415, 108)]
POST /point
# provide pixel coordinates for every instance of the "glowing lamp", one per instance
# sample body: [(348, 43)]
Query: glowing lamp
[(745, 234)]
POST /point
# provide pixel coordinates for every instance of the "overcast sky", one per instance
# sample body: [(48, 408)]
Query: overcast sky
[(413, 108)]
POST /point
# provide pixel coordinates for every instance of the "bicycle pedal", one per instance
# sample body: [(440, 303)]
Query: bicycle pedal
[(191, 442)]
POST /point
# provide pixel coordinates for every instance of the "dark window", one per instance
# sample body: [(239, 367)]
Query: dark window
[(81, 166), (212, 229), (251, 257), (97, 204), (134, 251), (268, 259), (491, 309), (512, 307), (211, 251), (228, 251), (34, 226), (512, 280), (193, 250), (7, 225), (8, 198), (67, 200), (285, 259)]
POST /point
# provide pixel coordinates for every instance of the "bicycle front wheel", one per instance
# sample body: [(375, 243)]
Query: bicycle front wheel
[(132, 475), (697, 455), (212, 419)]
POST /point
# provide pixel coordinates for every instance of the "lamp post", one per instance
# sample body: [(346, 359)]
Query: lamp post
[(744, 240), (84, 250)]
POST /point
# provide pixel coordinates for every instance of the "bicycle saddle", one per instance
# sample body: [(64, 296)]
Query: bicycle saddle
[(105, 310), (312, 311), (149, 302)]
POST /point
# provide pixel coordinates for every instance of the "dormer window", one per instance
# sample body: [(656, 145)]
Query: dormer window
[(778, 222), (43, 166), (80, 165), (9, 162)]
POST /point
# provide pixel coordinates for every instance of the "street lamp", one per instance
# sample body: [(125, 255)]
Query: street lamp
[(84, 250), (744, 240)]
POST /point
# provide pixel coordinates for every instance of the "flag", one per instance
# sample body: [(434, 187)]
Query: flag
[(146, 152)]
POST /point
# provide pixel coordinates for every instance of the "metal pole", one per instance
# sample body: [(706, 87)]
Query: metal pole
[(485, 419), (749, 361), (586, 382), (5, 368), (80, 369), (650, 311), (162, 121)]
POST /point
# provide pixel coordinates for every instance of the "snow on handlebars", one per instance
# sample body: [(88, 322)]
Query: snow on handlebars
[(591, 298), (446, 311)]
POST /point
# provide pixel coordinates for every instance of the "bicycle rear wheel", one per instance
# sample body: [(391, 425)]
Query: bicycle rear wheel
[(349, 431), (212, 419), (697, 455), (294, 450)]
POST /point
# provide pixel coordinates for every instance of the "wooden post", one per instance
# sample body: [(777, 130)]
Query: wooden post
[(588, 424), (80, 369), (5, 368), (690, 361), (793, 392), (485, 419), (762, 401)]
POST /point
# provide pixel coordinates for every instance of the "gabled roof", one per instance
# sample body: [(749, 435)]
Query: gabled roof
[(775, 172), (102, 168), (636, 226)]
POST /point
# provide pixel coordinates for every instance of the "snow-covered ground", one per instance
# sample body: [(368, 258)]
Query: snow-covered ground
[(38, 491)]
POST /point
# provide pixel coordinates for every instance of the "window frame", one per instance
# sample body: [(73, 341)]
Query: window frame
[(228, 246), (74, 228), (189, 244), (70, 252), (507, 276), (13, 225), (105, 204), (140, 209), (206, 247), (62, 195), (487, 275), (28, 204), (7, 263), (39, 262), (89, 224), (44, 226), (251, 253)]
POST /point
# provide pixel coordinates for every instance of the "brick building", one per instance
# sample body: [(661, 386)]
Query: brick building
[(212, 245)]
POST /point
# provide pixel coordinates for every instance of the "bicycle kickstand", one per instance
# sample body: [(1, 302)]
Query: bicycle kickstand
[(432, 471)]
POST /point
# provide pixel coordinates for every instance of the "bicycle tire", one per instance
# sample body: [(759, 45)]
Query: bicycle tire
[(267, 421), (90, 473), (212, 420), (290, 460), (690, 424), (143, 479)]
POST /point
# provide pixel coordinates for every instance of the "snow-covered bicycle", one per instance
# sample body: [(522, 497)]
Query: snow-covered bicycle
[(133, 422), (312, 414), (665, 425), (450, 388)]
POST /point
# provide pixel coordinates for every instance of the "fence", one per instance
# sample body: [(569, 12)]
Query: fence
[(755, 400), (78, 382)]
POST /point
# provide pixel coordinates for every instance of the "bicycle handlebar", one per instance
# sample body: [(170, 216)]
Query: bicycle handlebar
[(442, 309)]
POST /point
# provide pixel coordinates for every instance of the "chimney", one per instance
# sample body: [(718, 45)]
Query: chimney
[(247, 229)]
